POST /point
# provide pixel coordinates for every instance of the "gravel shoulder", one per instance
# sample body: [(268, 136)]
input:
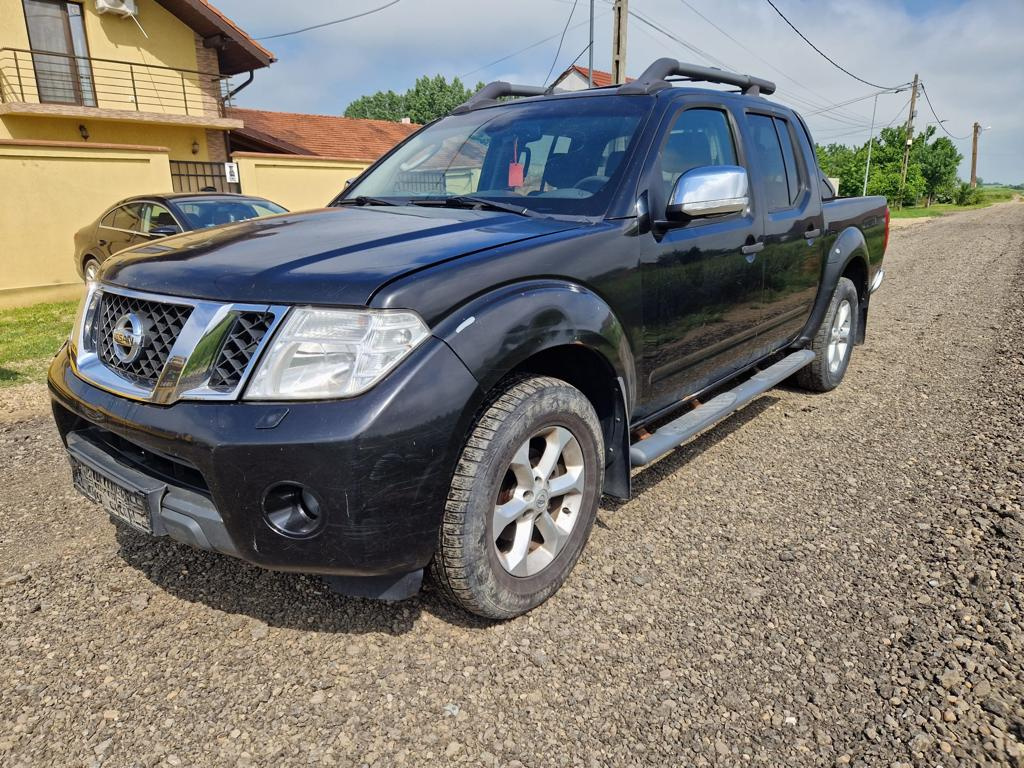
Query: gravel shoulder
[(822, 580)]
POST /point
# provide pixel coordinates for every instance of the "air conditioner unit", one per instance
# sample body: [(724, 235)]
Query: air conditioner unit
[(123, 8)]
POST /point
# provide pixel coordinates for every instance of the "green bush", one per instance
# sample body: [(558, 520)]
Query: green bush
[(967, 195)]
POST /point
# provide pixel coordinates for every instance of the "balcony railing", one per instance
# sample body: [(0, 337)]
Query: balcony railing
[(42, 77)]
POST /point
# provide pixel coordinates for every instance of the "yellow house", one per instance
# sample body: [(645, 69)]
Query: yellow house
[(99, 100)]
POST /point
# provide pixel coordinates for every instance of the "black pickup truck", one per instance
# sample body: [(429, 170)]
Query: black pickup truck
[(484, 332)]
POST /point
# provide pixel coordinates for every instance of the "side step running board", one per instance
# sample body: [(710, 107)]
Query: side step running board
[(705, 416)]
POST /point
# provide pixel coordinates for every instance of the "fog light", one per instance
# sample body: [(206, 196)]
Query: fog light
[(292, 510)]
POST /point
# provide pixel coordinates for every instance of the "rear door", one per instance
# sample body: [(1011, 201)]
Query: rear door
[(120, 228), (793, 222)]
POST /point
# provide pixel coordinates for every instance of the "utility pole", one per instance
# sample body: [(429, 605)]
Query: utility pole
[(590, 65), (620, 15), (871, 141), (910, 140), (974, 156)]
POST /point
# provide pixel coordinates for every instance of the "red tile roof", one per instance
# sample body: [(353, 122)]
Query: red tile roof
[(325, 135), (601, 79)]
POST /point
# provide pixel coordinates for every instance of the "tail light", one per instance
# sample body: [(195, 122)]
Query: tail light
[(885, 238)]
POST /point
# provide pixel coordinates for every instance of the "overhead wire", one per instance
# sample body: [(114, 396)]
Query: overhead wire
[(937, 120), (330, 23), (824, 55), (560, 41)]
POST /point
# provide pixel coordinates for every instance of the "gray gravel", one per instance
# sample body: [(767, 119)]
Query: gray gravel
[(823, 580)]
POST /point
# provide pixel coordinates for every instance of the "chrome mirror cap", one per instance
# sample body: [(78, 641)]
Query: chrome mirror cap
[(709, 191)]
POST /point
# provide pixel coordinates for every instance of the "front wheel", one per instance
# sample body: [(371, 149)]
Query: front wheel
[(522, 500), (833, 343)]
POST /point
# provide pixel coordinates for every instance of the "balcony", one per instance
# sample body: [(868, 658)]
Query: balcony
[(41, 83)]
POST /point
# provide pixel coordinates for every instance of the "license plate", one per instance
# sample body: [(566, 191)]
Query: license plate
[(125, 504)]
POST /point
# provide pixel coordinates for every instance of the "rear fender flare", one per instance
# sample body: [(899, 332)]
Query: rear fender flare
[(848, 247)]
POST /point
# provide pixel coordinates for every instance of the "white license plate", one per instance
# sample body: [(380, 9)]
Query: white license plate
[(125, 504)]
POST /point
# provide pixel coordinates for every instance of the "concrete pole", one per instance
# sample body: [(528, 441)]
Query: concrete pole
[(974, 156), (910, 140), (590, 64), (871, 141), (620, 15)]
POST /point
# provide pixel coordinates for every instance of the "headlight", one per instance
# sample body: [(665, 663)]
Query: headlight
[(329, 353)]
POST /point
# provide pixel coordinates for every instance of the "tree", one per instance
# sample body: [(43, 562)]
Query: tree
[(939, 161), (429, 99)]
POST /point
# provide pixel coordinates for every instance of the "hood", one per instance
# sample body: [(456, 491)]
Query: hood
[(338, 256)]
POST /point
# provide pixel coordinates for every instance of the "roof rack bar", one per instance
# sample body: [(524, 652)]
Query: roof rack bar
[(491, 92), (654, 78)]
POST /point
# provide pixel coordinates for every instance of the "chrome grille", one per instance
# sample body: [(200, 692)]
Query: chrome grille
[(240, 344), (163, 323)]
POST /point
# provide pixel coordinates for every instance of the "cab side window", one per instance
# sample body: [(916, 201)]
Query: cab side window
[(127, 217), (698, 137), (776, 159)]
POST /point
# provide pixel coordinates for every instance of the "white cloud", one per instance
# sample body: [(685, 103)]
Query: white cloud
[(968, 54)]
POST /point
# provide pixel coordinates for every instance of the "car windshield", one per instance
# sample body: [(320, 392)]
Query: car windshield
[(553, 156), (211, 212)]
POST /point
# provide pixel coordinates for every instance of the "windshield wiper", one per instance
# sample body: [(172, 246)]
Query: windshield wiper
[(364, 200), (469, 201)]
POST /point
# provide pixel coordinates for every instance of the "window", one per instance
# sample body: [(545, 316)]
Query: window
[(698, 138), (213, 211), (776, 159), (63, 72), (127, 217), (157, 216), (557, 156)]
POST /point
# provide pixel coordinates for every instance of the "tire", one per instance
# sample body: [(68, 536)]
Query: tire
[(833, 343), (90, 265), (500, 574)]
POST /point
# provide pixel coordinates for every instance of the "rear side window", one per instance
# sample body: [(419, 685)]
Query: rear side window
[(126, 217), (776, 159), (698, 138)]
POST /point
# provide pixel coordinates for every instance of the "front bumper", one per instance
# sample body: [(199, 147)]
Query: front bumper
[(380, 464)]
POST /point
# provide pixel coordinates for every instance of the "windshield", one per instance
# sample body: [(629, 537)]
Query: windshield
[(211, 212), (558, 156)]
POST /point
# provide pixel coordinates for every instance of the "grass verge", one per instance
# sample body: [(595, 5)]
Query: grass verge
[(989, 195), (29, 337)]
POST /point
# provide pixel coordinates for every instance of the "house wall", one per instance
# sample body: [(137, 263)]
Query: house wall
[(298, 182), (49, 191)]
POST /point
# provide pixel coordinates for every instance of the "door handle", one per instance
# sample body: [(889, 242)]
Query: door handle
[(747, 250), (810, 234)]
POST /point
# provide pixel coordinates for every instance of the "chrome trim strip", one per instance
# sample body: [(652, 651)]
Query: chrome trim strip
[(186, 375), (876, 283)]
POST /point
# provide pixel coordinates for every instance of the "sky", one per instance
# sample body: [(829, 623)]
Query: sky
[(968, 53)]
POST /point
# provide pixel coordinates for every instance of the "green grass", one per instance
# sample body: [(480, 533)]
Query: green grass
[(989, 195), (29, 337)]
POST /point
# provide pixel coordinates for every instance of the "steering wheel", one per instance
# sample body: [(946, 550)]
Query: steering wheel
[(591, 184)]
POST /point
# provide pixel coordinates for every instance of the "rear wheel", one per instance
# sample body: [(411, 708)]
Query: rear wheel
[(90, 268), (523, 499), (833, 343)]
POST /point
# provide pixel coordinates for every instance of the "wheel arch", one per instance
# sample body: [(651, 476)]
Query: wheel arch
[(556, 329), (848, 257)]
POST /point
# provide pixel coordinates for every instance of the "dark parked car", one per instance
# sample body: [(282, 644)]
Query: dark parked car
[(141, 219), (487, 330)]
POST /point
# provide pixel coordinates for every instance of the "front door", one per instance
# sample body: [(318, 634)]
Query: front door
[(793, 223), (701, 292), (60, 55)]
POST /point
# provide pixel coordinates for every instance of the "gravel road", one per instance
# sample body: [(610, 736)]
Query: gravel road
[(823, 580)]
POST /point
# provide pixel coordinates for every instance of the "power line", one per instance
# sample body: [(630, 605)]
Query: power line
[(824, 55), (560, 41), (330, 23), (939, 122), (689, 46), (530, 47)]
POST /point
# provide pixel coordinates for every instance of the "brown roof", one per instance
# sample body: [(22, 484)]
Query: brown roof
[(601, 79), (326, 135), (236, 51)]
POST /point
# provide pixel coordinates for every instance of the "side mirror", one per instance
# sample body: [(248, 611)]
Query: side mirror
[(709, 191), (165, 231)]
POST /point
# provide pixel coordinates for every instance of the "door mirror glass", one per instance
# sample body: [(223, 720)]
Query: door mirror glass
[(165, 230), (709, 191)]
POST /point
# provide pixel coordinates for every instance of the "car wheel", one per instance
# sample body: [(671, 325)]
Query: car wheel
[(523, 499), (833, 343), (90, 268)]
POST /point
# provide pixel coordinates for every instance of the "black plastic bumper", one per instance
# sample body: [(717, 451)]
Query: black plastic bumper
[(380, 464)]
